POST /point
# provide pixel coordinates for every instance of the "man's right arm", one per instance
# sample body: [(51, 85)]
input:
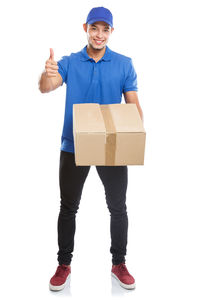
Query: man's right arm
[(50, 78)]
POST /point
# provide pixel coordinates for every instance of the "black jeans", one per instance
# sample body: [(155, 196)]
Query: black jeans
[(71, 180)]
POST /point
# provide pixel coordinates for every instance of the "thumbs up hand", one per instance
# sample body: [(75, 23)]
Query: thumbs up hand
[(51, 67)]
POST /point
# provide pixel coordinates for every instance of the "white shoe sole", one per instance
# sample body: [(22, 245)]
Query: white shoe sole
[(126, 286), (59, 287)]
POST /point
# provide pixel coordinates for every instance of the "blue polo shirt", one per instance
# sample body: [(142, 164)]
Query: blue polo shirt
[(90, 82)]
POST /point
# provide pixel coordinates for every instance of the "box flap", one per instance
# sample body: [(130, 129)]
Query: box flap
[(125, 117), (108, 118), (89, 118)]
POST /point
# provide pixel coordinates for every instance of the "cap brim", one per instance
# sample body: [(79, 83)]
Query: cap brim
[(99, 19)]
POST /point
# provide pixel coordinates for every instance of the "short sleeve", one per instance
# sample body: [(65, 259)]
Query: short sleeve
[(63, 65), (130, 83)]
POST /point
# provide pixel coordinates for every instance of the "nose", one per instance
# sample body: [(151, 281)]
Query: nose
[(100, 34)]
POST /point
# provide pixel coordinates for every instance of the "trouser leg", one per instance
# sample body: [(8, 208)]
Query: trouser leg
[(115, 181), (71, 181)]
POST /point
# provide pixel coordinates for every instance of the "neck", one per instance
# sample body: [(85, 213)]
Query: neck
[(96, 54)]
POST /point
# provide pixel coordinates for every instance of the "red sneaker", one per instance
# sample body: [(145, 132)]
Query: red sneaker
[(124, 278), (59, 279)]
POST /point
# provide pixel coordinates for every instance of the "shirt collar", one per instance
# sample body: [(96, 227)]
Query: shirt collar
[(85, 56)]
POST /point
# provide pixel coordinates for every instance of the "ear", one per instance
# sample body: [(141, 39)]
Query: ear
[(85, 27), (112, 29)]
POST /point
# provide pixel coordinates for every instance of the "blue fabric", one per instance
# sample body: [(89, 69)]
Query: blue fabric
[(100, 14), (90, 82)]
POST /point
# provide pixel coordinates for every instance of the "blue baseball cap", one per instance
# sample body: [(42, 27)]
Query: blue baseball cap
[(100, 14)]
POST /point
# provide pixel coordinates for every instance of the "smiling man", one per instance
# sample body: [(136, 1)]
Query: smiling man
[(99, 75)]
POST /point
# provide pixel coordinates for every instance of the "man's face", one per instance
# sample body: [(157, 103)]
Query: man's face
[(98, 34)]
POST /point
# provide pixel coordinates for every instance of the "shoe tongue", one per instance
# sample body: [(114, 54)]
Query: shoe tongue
[(64, 266)]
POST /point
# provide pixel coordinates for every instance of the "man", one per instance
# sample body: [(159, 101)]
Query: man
[(99, 75)]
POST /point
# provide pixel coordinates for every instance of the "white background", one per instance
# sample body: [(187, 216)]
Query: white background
[(162, 37)]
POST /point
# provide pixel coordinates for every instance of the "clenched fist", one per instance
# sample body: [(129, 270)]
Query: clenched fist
[(51, 67)]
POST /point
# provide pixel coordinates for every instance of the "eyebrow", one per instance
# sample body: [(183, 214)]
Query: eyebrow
[(106, 26)]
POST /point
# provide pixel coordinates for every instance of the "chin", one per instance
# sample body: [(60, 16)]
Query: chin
[(98, 47)]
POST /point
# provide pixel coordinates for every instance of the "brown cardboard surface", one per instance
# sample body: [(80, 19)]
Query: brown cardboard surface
[(111, 134)]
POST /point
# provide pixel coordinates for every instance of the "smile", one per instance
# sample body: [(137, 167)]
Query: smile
[(99, 42)]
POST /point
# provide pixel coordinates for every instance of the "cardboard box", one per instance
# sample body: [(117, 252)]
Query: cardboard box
[(108, 135)]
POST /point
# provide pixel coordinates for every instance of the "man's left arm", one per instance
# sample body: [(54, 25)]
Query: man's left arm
[(132, 97)]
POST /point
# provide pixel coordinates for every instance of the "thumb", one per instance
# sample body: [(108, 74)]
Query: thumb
[(51, 54)]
